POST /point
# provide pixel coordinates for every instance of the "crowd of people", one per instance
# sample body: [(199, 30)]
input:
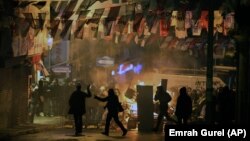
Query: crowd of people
[(99, 106)]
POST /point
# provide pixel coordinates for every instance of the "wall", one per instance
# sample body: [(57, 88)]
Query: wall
[(13, 96)]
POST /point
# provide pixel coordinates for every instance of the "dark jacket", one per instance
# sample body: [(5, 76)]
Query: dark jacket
[(184, 105), (112, 101), (163, 97), (77, 102)]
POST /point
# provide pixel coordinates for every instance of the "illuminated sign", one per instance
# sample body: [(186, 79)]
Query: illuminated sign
[(130, 67), (62, 69), (105, 61)]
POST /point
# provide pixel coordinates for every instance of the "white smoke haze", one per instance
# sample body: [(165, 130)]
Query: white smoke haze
[(157, 63)]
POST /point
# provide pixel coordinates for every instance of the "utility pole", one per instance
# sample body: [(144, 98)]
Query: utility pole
[(209, 77)]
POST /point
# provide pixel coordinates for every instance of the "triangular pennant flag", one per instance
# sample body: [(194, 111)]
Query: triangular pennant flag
[(83, 15), (41, 19), (40, 4), (83, 6), (68, 35), (36, 59), (54, 26), (101, 29), (180, 30), (79, 27), (24, 26), (196, 29), (29, 18), (164, 27), (36, 31), (37, 28), (86, 29), (53, 10), (68, 11), (94, 30), (117, 37), (107, 27), (96, 16), (66, 15), (228, 23), (86, 4), (203, 22), (24, 4), (61, 7), (53, 5), (137, 21), (174, 18), (130, 26), (123, 20), (155, 27), (141, 27), (150, 18), (188, 19), (71, 6), (113, 13), (218, 21), (66, 28)]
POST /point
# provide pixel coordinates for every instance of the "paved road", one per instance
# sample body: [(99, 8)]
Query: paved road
[(67, 134)]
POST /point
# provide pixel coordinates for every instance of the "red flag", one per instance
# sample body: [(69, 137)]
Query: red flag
[(164, 27), (203, 22), (36, 59)]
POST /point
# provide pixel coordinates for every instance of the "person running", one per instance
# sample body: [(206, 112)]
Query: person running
[(113, 110)]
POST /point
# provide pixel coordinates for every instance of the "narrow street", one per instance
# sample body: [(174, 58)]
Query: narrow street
[(67, 134)]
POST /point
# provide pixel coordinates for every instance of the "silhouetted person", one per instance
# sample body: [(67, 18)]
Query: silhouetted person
[(112, 106), (183, 106), (77, 106), (164, 98), (41, 91), (225, 106)]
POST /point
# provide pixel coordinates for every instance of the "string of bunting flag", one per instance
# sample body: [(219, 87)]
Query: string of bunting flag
[(122, 21)]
